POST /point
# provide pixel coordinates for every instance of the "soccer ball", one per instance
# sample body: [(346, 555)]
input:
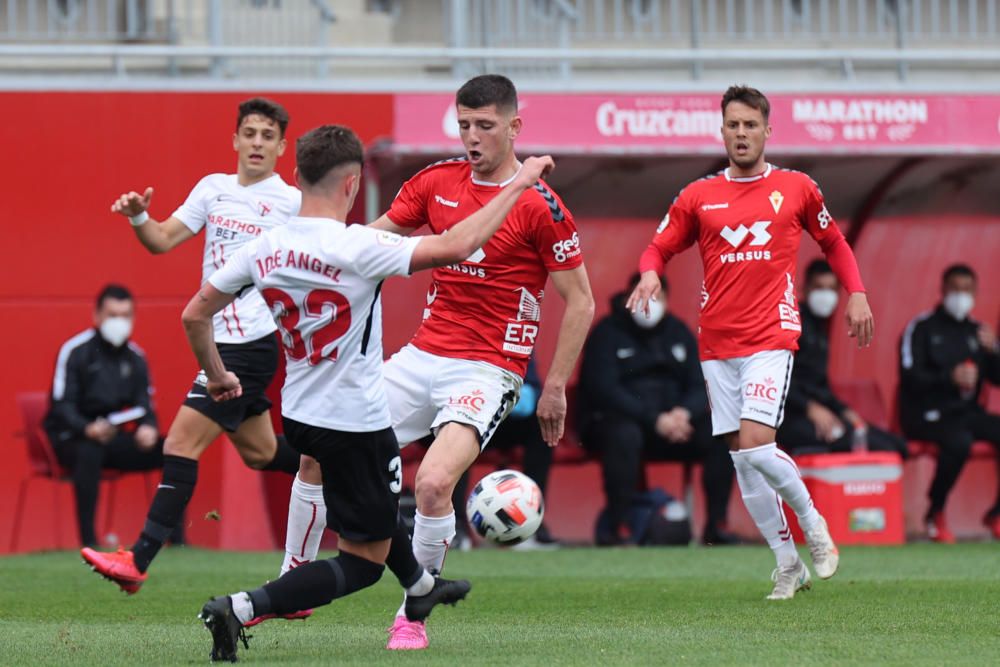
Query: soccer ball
[(505, 507)]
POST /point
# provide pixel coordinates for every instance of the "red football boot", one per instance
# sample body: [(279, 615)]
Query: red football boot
[(118, 566), (993, 523), (937, 529)]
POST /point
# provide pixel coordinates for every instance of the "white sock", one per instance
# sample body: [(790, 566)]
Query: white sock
[(764, 507), (422, 587), (306, 521), (242, 606), (783, 475), (432, 535)]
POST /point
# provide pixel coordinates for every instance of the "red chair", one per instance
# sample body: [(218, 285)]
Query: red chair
[(43, 464)]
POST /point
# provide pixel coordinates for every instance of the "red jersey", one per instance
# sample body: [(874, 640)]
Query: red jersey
[(748, 231), (488, 307)]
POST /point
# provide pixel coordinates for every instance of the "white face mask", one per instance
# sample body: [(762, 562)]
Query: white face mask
[(657, 309), (116, 330), (959, 304), (822, 302)]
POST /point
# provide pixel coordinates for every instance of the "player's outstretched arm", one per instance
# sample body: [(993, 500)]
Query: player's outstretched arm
[(386, 225), (574, 287), (157, 237), (648, 289), (197, 318), (472, 233)]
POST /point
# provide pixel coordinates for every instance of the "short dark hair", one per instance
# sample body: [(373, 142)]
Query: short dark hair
[(751, 97), (958, 270), (323, 149), (487, 89), (262, 106), (817, 267), (634, 279), (112, 291)]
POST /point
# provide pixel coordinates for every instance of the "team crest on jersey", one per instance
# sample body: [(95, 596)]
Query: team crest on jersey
[(776, 199), (264, 207)]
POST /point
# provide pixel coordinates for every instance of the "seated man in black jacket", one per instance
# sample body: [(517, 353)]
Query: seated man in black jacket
[(815, 419), (642, 393), (944, 356), (101, 415)]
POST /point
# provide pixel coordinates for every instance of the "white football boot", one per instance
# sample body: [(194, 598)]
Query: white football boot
[(825, 556), (790, 580)]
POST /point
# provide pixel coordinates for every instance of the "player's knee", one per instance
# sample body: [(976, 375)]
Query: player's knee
[(754, 435), (256, 460), (434, 489), (310, 471), (178, 446)]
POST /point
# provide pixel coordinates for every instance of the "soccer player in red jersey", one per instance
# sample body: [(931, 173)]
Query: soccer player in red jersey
[(460, 375), (748, 220)]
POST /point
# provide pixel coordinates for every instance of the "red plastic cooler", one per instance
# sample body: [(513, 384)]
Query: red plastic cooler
[(859, 493)]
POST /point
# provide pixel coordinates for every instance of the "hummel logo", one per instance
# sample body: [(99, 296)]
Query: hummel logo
[(441, 200), (738, 235), (712, 207)]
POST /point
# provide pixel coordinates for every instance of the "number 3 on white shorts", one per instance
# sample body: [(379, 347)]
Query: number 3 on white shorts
[(396, 468)]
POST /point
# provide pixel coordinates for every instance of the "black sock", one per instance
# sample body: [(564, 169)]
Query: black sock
[(401, 561), (167, 509), (315, 584), (285, 458)]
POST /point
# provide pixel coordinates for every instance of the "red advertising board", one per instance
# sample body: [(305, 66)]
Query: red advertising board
[(679, 123)]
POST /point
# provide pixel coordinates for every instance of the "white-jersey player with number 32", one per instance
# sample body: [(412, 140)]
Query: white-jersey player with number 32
[(321, 279)]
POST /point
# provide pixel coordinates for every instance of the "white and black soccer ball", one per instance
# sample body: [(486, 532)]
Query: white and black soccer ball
[(505, 507)]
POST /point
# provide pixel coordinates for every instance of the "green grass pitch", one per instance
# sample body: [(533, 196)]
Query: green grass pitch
[(919, 604)]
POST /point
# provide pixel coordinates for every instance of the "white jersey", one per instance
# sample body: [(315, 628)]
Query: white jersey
[(232, 216), (321, 280)]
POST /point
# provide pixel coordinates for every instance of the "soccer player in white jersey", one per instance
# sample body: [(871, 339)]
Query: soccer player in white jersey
[(321, 280), (748, 221), (233, 210), (461, 374)]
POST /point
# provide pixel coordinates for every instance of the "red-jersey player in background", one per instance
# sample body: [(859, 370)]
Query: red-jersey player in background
[(748, 221)]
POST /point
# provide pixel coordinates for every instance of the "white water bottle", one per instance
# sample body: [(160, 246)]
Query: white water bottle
[(859, 441)]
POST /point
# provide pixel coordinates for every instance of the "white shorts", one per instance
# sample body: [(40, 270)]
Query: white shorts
[(426, 391), (752, 388)]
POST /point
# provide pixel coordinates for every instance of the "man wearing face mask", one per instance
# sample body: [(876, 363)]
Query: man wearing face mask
[(101, 415), (815, 419), (642, 394), (945, 355)]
